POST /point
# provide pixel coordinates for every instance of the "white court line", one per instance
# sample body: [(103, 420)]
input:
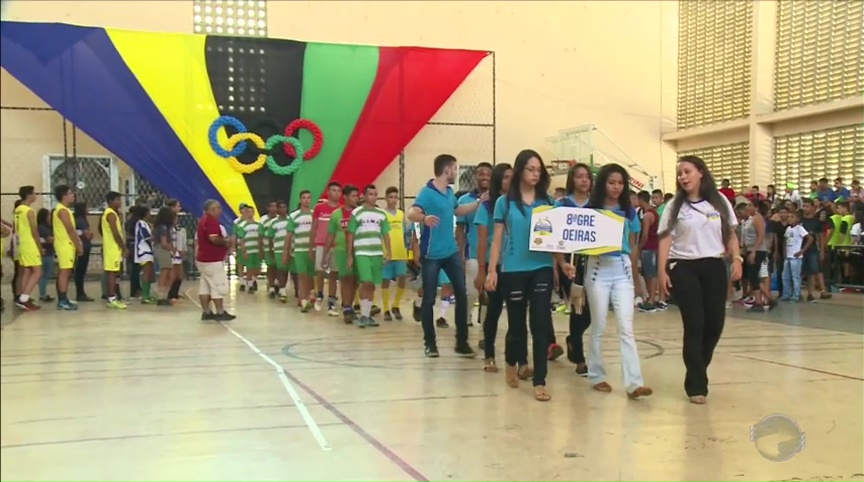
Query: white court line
[(280, 372)]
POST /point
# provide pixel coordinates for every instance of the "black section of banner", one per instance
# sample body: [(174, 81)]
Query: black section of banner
[(259, 81)]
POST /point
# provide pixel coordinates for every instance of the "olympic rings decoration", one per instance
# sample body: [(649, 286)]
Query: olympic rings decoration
[(287, 141), (239, 142), (317, 137)]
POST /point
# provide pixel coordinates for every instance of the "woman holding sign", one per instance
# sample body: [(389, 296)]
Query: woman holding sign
[(697, 231), (610, 277), (526, 276)]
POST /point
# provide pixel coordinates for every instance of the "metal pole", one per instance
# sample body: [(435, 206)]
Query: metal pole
[(402, 180), (494, 115)]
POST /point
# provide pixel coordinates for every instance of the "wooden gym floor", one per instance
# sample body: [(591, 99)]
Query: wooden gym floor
[(155, 394)]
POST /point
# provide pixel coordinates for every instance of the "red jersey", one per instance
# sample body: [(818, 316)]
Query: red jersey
[(322, 212), (652, 243), (208, 252), (729, 193)]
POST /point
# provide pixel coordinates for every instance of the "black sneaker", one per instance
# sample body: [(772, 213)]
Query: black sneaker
[(432, 352), (811, 299), (271, 295), (388, 316), (348, 317), (825, 296), (417, 314), (464, 350), (480, 344), (242, 288), (397, 314), (163, 303), (375, 310), (441, 323), (208, 316), (224, 316), (84, 299)]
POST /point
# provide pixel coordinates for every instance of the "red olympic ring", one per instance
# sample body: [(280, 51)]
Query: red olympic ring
[(317, 137)]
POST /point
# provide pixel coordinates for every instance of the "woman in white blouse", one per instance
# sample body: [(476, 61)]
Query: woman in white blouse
[(697, 233)]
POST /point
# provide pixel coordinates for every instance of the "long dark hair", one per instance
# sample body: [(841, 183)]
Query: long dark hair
[(43, 216), (707, 191), (598, 193), (165, 217), (80, 210), (541, 190), (571, 177), (496, 183)]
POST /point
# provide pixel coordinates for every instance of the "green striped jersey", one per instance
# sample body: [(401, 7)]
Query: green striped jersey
[(369, 226), (300, 223), (277, 230), (249, 233)]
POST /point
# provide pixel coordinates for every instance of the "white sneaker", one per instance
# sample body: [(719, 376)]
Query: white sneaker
[(333, 312), (317, 305), (637, 301)]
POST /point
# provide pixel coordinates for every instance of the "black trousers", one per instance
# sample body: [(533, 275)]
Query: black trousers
[(529, 300), (81, 264), (494, 307), (700, 286), (578, 323), (134, 275)]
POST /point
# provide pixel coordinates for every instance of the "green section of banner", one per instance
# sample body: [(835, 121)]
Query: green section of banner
[(336, 83)]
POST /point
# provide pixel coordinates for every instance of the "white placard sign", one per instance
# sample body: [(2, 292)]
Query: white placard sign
[(575, 230)]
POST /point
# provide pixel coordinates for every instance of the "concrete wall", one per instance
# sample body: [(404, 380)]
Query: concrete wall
[(558, 65)]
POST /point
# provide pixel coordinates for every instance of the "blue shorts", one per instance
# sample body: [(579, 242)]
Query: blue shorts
[(394, 269), (649, 263)]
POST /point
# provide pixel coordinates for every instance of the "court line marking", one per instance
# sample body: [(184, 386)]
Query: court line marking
[(283, 377), (772, 362), (345, 419)]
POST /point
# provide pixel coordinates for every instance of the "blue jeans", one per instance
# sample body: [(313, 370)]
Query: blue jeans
[(792, 278), (47, 271), (610, 278), (452, 266)]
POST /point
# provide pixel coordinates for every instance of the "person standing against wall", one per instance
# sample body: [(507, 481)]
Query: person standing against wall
[(113, 248), (213, 246), (30, 250), (82, 262), (697, 231), (67, 244), (434, 209)]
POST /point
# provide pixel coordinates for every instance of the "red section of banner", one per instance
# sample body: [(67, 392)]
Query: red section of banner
[(412, 83)]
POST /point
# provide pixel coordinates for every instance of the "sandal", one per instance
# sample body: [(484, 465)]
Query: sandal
[(640, 392), (511, 375), (525, 372), (602, 387), (698, 399), (489, 366), (541, 395)]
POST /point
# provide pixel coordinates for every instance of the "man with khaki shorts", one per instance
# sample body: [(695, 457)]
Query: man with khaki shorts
[(213, 245), (320, 225)]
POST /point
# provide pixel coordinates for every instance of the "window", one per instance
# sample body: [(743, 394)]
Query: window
[(804, 158), (714, 58), (90, 176), (730, 161), (244, 18), (819, 50)]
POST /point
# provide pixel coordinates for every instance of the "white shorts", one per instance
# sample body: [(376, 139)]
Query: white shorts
[(213, 281), (763, 269), (319, 259), (143, 258), (471, 268)]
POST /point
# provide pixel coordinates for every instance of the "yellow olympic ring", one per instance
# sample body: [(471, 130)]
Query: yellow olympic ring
[(259, 143)]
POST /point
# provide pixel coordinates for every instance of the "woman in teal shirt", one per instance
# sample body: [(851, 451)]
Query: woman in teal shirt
[(526, 276), (485, 222)]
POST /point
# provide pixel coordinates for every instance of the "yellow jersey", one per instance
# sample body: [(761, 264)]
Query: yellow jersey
[(26, 243), (108, 241), (61, 236), (398, 251)]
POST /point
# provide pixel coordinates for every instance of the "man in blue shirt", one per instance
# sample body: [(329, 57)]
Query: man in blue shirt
[(824, 192), (434, 209), (466, 232), (840, 191)]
